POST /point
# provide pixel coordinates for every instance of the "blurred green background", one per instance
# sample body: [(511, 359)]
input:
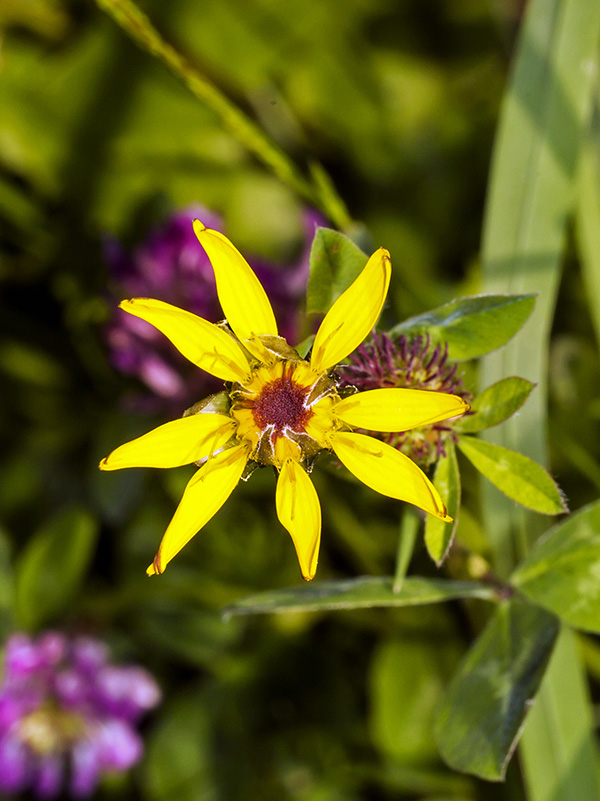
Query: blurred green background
[(399, 102)]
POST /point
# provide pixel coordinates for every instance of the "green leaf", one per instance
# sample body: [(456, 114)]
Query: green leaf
[(482, 716), (561, 571), (180, 759), (517, 476), (359, 593), (471, 326), (409, 673), (53, 565), (495, 404), (439, 535), (335, 262)]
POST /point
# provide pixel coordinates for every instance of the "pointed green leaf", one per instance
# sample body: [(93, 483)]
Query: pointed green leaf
[(517, 476), (495, 404), (561, 572), (471, 326), (439, 535), (53, 565), (482, 716), (335, 261), (359, 593)]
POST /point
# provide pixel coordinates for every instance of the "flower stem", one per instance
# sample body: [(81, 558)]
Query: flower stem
[(316, 192), (409, 526)]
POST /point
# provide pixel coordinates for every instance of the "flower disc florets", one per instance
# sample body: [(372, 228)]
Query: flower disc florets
[(284, 411)]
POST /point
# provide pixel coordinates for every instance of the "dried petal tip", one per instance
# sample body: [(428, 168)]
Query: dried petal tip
[(154, 569)]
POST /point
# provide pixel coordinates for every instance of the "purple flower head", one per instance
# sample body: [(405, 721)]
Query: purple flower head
[(67, 715), (414, 364), (171, 264)]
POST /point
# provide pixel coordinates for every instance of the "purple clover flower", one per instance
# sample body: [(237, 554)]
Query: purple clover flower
[(170, 264), (67, 715), (415, 364)]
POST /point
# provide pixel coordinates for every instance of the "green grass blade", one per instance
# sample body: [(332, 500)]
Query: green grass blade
[(531, 196), (588, 223)]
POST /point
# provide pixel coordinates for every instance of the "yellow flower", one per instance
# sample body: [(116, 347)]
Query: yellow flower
[(281, 410)]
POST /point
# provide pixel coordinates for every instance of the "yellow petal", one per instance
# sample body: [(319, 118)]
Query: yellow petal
[(353, 314), (204, 344), (243, 300), (179, 442), (299, 512), (204, 495), (386, 470), (398, 409)]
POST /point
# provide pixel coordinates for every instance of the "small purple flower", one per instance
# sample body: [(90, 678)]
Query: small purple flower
[(414, 364), (171, 264), (67, 715)]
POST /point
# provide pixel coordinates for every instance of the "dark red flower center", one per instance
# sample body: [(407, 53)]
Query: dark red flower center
[(281, 405)]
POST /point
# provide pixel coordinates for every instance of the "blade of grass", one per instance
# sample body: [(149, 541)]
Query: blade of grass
[(588, 220), (530, 197), (319, 191)]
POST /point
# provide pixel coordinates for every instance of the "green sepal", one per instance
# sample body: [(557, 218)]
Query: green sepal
[(219, 403)]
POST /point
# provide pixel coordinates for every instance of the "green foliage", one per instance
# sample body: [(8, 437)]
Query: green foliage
[(483, 713), (335, 261), (560, 572), (495, 404), (517, 476), (409, 675), (471, 326), (97, 139), (531, 196), (180, 751), (53, 566), (359, 593), (439, 535)]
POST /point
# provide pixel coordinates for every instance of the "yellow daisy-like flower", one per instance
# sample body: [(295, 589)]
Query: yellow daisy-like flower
[(280, 409)]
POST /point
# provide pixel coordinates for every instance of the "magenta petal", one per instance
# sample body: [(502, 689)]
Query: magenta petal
[(14, 765), (121, 746), (89, 655), (85, 768), (21, 657), (71, 688), (52, 648), (145, 692), (48, 779)]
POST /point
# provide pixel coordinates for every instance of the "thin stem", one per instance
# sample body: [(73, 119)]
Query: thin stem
[(409, 526), (139, 27)]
